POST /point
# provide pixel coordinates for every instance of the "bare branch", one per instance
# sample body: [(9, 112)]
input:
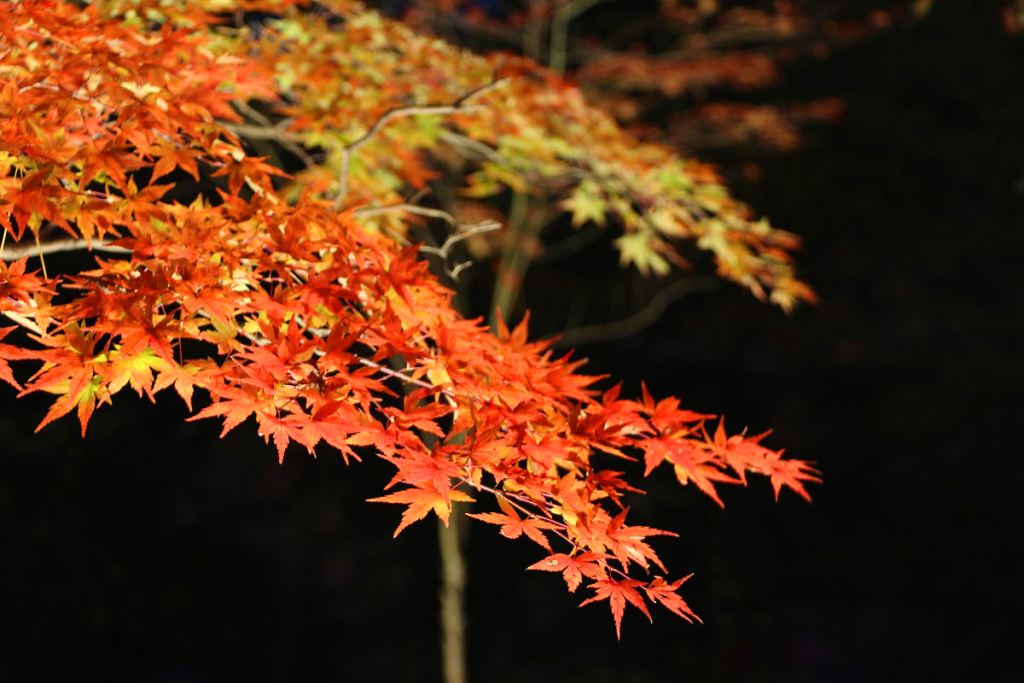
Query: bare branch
[(268, 131), (19, 250), (257, 132), (580, 239), (458, 106), (640, 320), (465, 231), (485, 152), (369, 211), (462, 231)]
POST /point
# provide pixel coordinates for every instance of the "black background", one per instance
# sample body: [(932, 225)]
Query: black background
[(154, 551)]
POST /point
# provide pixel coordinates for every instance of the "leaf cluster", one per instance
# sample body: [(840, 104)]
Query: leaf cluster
[(282, 306)]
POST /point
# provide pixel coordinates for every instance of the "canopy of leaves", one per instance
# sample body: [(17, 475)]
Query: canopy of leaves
[(282, 305)]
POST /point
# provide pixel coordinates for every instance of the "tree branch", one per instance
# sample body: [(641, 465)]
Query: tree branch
[(455, 107), (485, 152), (557, 46), (257, 132), (640, 320), (269, 131), (20, 250), (462, 231), (369, 211)]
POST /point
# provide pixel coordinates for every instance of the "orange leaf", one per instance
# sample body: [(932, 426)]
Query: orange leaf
[(421, 500), (618, 593)]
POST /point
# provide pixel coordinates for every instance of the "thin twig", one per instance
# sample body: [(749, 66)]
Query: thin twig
[(397, 373), (458, 106), (271, 132), (462, 231), (369, 211)]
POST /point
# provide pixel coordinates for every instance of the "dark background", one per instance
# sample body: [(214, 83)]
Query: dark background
[(154, 551)]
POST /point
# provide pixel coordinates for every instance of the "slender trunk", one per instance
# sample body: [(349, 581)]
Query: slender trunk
[(515, 260), (453, 585)]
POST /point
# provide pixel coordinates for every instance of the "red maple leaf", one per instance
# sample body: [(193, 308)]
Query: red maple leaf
[(421, 500), (665, 593), (618, 593), (8, 352), (513, 526), (574, 567)]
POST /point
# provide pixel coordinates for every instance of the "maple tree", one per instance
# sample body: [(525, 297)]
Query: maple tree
[(128, 127)]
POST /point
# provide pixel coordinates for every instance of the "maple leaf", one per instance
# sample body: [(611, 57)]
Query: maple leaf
[(513, 526), (665, 415), (17, 285), (141, 328), (180, 376), (618, 593), (421, 500), (253, 171), (136, 370), (689, 462), (790, 473), (744, 453), (337, 422), (739, 452), (173, 154), (284, 430), (437, 467), (8, 352), (574, 567), (628, 542), (235, 405), (665, 593), (585, 204), (422, 417), (641, 250), (703, 474)]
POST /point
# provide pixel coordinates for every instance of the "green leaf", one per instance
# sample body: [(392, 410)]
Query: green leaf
[(638, 248)]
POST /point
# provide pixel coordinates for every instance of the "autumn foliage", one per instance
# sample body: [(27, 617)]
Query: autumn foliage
[(298, 301)]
